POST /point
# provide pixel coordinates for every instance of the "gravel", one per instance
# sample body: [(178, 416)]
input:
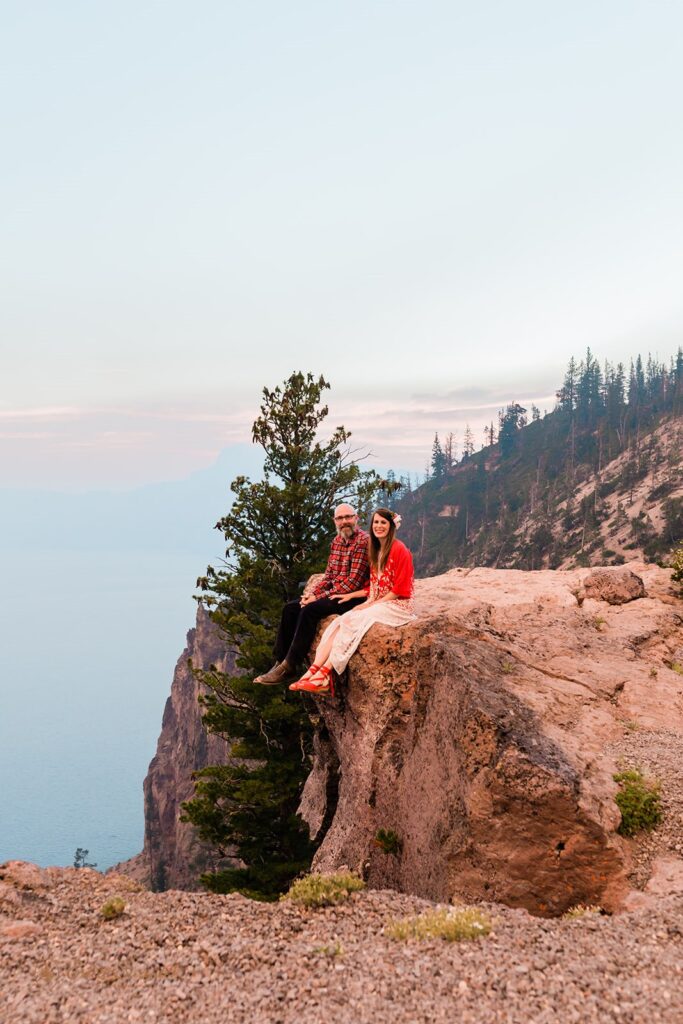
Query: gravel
[(659, 754), (189, 957)]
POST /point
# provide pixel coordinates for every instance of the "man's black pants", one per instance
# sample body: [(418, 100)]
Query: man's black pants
[(299, 623)]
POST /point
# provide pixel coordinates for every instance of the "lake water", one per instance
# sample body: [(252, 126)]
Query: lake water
[(88, 644)]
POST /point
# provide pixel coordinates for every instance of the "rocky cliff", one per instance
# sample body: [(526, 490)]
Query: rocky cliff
[(482, 739), (472, 752), (172, 857)]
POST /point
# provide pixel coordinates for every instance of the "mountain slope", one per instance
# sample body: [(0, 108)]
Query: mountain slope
[(593, 482)]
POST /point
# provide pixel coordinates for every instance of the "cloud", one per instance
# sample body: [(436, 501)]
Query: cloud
[(125, 445), (51, 412)]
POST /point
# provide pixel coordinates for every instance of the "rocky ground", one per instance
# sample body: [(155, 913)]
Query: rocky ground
[(191, 957)]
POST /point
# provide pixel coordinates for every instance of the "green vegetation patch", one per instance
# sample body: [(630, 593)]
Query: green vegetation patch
[(389, 841), (639, 800), (323, 890), (582, 910), (113, 908), (677, 566), (454, 924)]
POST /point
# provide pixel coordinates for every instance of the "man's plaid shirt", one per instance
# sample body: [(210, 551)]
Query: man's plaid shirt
[(347, 567)]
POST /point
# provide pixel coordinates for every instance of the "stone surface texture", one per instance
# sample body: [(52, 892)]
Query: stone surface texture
[(173, 857), (198, 958), (615, 586), (486, 734)]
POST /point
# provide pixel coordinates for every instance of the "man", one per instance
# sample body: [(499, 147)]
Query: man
[(347, 571)]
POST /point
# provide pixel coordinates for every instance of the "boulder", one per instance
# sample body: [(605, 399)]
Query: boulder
[(485, 736), (615, 586), (24, 875)]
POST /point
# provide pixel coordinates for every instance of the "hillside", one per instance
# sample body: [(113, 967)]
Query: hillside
[(599, 480)]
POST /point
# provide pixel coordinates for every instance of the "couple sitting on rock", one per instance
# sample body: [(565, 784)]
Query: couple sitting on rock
[(368, 579)]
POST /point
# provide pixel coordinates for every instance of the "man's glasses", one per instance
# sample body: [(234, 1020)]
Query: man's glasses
[(340, 519)]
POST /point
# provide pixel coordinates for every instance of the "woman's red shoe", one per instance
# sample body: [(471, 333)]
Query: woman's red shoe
[(321, 682)]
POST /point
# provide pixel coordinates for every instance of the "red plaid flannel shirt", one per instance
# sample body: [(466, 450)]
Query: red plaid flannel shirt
[(347, 567)]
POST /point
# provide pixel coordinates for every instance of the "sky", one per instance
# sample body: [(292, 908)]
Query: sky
[(434, 204)]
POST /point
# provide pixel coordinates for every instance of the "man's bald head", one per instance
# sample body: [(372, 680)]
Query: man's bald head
[(345, 520)]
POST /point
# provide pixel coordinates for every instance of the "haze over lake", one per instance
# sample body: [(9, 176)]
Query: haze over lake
[(91, 630)]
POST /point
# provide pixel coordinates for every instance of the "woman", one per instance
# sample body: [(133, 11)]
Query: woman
[(388, 600)]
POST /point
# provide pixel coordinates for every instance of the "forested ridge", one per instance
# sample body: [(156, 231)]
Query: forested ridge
[(596, 481)]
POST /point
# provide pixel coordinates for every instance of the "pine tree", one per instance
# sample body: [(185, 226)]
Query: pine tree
[(438, 463), (450, 450), (567, 394), (489, 434), (468, 443), (277, 533), (511, 420), (388, 488)]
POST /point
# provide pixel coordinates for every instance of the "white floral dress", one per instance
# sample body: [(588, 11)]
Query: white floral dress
[(349, 629)]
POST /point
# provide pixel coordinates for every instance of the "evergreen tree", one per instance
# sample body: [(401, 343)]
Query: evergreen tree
[(512, 419), (388, 488), (438, 463), (277, 533), (490, 435), (468, 443), (450, 450), (566, 396)]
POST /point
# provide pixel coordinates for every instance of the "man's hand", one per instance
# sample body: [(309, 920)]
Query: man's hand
[(307, 599), (341, 598)]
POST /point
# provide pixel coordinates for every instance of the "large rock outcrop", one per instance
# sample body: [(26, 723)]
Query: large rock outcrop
[(485, 735), (173, 857)]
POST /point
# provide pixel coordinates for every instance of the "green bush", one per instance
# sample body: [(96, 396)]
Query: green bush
[(677, 566), (323, 890), (112, 908), (388, 841), (455, 924), (639, 801)]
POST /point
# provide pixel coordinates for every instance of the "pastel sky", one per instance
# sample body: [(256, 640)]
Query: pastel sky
[(434, 204)]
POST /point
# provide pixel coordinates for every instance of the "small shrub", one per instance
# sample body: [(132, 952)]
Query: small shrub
[(677, 667), (332, 949), (639, 801), (388, 841), (112, 908), (677, 566), (507, 668), (323, 890), (653, 673), (452, 924), (631, 725), (599, 622), (582, 910)]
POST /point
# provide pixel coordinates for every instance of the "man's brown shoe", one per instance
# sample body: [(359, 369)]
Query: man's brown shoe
[(278, 674)]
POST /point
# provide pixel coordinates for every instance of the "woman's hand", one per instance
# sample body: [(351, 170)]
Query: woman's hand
[(342, 598)]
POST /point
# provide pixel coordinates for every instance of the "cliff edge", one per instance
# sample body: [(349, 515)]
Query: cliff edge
[(481, 739), (472, 752), (173, 857)]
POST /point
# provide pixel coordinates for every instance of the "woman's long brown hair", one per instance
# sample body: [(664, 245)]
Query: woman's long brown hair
[(378, 552)]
